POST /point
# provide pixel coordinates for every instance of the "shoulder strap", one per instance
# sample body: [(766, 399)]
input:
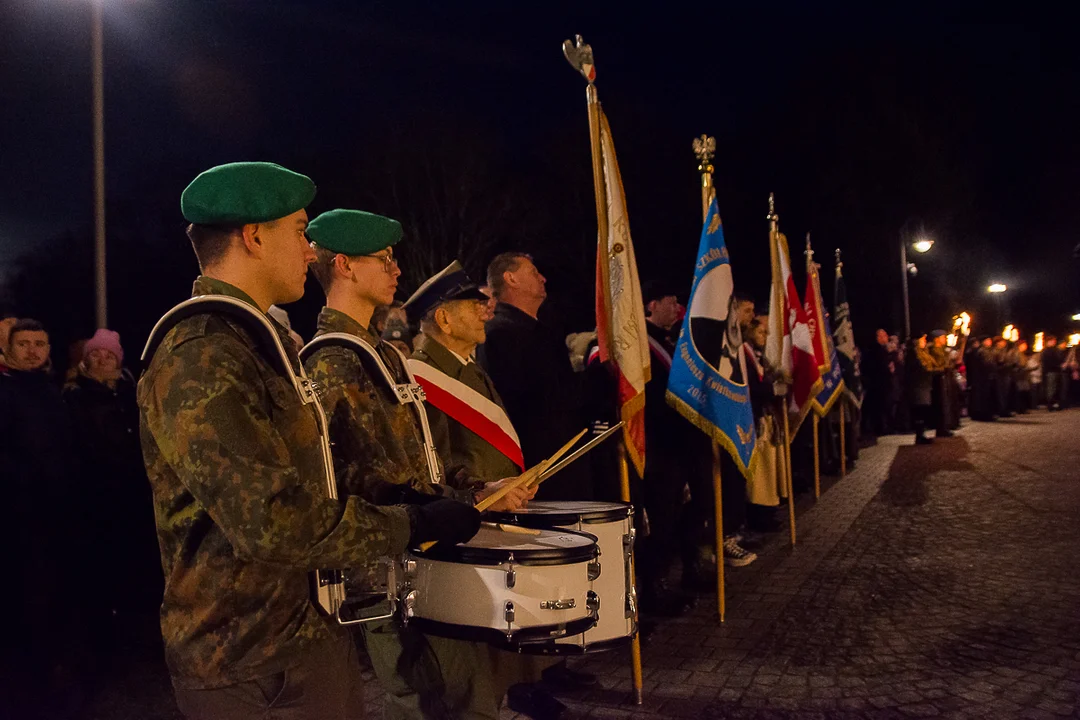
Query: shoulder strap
[(266, 337), (405, 393), (369, 357)]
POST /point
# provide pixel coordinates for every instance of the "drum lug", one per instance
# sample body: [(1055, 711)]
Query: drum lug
[(511, 576), (592, 602), (628, 543), (508, 613), (594, 570), (409, 569), (408, 606)]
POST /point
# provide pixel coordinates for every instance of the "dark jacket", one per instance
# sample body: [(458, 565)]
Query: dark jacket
[(36, 451), (1052, 358), (530, 366), (106, 424)]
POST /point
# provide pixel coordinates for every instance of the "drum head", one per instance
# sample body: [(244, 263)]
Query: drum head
[(492, 546), (553, 513)]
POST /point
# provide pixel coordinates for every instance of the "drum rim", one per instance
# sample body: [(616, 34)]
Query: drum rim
[(561, 519), (525, 640), (494, 557)]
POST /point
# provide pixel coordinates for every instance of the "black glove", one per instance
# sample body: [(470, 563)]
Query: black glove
[(445, 521), (383, 492)]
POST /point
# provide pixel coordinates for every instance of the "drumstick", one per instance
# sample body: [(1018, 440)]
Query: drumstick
[(527, 477), (517, 529), (583, 450), (521, 481)]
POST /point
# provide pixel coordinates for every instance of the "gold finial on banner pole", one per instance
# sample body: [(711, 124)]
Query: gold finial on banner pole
[(705, 149), (580, 57)]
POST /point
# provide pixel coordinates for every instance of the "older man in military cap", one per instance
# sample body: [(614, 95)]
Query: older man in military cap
[(386, 453), (235, 459), (451, 311)]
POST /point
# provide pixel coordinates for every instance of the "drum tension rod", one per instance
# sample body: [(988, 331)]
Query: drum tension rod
[(511, 576)]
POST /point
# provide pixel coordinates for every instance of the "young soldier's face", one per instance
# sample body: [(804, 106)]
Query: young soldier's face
[(375, 277), (288, 253)]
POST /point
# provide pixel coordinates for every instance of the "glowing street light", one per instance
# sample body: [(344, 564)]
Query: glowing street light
[(996, 288), (1076, 317), (922, 245)]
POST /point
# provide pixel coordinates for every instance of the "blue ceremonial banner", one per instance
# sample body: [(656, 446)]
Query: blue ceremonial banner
[(711, 393), (832, 381)]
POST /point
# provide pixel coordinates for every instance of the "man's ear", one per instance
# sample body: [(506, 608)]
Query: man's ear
[(509, 279), (650, 307), (442, 319), (250, 235), (342, 266)]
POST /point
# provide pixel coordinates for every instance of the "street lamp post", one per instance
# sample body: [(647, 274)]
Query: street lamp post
[(98, 83), (921, 245), (998, 291)]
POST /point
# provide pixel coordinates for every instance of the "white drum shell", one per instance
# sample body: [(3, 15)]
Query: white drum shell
[(616, 620), (476, 596)]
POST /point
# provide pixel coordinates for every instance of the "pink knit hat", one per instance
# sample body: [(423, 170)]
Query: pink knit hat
[(105, 340)]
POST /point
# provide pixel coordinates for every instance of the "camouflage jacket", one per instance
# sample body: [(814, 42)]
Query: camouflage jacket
[(457, 444), (376, 439), (240, 502)]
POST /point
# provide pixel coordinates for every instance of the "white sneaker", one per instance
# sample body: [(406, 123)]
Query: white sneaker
[(735, 555)]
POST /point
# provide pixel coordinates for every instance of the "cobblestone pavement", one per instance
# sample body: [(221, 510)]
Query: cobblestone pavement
[(938, 580)]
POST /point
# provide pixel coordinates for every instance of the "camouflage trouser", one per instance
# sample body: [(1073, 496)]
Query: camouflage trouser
[(324, 686), (429, 677)]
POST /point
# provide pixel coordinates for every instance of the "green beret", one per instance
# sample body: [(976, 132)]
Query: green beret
[(245, 192), (353, 232)]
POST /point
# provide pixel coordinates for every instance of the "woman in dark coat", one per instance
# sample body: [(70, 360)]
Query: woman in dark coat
[(119, 518)]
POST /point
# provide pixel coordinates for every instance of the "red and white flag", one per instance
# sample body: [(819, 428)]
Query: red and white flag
[(790, 345), (620, 313)]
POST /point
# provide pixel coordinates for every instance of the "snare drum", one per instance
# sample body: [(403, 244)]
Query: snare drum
[(514, 591), (613, 526)]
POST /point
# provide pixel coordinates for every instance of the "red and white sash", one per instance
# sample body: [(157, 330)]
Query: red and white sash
[(660, 352), (470, 408)]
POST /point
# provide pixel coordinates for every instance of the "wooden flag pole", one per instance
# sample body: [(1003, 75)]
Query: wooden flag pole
[(843, 441), (817, 461), (580, 57), (774, 229), (787, 473), (704, 147), (635, 644)]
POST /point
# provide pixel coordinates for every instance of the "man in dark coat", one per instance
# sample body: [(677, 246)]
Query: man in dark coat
[(529, 364), (1053, 377), (42, 525), (878, 382)]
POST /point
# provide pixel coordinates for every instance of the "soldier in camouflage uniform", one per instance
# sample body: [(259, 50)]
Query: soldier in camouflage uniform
[(379, 444), (234, 459)]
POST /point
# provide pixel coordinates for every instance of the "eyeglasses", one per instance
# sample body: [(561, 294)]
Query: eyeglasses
[(389, 261)]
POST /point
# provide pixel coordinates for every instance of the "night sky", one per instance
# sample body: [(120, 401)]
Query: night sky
[(870, 125)]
